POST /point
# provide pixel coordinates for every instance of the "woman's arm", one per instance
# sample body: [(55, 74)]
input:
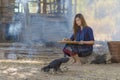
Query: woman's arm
[(69, 39), (72, 37)]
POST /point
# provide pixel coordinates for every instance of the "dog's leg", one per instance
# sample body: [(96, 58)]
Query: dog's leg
[(59, 70)]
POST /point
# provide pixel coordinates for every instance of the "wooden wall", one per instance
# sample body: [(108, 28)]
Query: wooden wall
[(6, 10)]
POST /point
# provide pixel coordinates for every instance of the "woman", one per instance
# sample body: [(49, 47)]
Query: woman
[(83, 34)]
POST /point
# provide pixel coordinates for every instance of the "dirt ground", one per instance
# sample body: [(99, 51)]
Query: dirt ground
[(31, 70)]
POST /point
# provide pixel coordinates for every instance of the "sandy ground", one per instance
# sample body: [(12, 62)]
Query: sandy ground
[(31, 70)]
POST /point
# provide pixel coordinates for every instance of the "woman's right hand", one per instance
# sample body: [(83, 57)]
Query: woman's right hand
[(66, 39)]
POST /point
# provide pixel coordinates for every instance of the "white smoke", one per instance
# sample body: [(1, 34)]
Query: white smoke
[(15, 28)]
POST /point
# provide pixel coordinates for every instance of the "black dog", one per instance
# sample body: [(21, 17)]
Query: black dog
[(55, 65)]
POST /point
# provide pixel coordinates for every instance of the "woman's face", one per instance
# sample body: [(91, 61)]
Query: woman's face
[(78, 21)]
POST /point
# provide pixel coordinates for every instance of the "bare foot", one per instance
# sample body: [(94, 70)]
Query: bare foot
[(74, 62), (71, 61)]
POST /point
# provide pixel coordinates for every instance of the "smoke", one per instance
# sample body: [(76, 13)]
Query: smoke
[(102, 15), (15, 28), (39, 28)]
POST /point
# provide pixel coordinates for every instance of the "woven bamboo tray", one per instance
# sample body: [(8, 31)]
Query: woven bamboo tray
[(68, 42)]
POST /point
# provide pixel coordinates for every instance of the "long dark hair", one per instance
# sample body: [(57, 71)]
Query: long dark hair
[(75, 26)]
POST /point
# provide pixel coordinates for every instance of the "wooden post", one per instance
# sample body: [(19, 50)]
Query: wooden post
[(44, 6), (39, 6), (63, 7), (26, 28), (50, 6), (0, 10), (54, 6), (58, 7)]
